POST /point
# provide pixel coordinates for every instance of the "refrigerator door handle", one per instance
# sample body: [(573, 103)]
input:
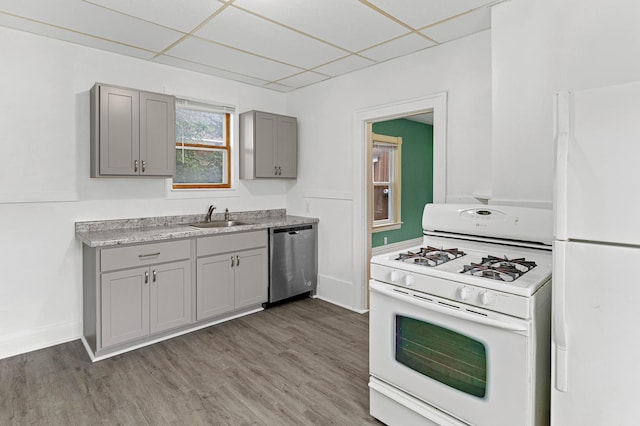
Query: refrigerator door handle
[(559, 314), (562, 137)]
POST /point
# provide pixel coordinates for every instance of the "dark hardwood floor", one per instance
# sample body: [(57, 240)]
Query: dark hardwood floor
[(302, 363)]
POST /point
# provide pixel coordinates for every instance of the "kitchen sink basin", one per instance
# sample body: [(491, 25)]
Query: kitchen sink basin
[(218, 224)]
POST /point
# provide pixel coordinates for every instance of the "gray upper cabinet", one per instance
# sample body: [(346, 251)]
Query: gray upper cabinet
[(268, 145), (132, 132)]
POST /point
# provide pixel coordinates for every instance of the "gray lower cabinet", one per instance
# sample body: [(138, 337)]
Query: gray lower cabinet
[(132, 132), (141, 293), (135, 292), (231, 273), (142, 301), (268, 145)]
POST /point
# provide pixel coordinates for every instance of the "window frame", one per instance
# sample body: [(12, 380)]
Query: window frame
[(395, 222), (202, 106)]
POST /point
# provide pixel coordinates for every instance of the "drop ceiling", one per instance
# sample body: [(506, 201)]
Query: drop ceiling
[(277, 44)]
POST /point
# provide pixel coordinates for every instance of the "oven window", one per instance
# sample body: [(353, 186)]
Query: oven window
[(449, 357)]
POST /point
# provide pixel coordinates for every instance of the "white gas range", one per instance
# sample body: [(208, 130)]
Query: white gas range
[(459, 326)]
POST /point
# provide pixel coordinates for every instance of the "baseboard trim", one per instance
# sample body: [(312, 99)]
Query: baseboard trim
[(39, 338), (95, 358), (333, 302)]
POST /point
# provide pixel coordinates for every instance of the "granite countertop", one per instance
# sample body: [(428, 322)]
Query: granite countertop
[(140, 230)]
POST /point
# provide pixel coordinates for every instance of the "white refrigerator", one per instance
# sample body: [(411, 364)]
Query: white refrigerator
[(596, 275)]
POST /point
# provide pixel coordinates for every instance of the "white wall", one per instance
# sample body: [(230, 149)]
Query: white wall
[(326, 183), (45, 185), (539, 48)]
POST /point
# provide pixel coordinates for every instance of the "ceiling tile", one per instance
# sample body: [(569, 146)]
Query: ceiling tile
[(79, 16), (420, 13), (73, 37), (180, 63), (398, 47), (303, 79), (347, 24), (279, 87), (268, 39), (182, 15), (200, 51), (344, 65), (461, 26)]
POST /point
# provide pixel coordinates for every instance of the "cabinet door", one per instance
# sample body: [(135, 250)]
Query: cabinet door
[(119, 131), (157, 135), (214, 285), (287, 162), (125, 305), (251, 278), (170, 292), (266, 138)]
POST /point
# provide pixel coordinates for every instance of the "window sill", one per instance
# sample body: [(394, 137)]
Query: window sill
[(386, 227), (180, 194)]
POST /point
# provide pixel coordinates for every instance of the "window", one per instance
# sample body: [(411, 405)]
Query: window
[(203, 149), (386, 179)]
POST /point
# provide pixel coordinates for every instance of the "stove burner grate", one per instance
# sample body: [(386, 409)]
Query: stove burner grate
[(430, 256), (501, 269)]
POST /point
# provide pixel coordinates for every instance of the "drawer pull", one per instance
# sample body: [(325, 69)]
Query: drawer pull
[(142, 256)]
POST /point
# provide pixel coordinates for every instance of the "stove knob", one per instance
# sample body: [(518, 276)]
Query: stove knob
[(394, 276), (486, 298), (464, 292), (409, 280)]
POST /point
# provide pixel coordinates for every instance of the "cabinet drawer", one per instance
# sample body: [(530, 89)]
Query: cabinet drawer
[(231, 242), (141, 255)]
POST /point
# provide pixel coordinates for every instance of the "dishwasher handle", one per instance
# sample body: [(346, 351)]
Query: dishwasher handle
[(291, 230)]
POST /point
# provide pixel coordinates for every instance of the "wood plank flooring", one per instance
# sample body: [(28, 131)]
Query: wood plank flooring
[(302, 363)]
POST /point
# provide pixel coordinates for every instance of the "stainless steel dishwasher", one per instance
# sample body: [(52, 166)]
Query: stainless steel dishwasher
[(292, 262)]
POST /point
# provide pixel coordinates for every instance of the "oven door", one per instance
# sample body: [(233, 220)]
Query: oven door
[(473, 364)]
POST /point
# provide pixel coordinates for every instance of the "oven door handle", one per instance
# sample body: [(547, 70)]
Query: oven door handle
[(433, 306)]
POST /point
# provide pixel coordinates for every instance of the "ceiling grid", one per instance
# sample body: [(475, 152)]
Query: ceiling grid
[(281, 45)]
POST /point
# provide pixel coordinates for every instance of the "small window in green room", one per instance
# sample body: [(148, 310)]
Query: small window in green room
[(203, 148), (386, 181)]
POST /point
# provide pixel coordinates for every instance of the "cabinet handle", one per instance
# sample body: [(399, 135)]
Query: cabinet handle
[(275, 170), (144, 165), (232, 262), (146, 277), (237, 260), (135, 166), (279, 171), (142, 256), (154, 276)]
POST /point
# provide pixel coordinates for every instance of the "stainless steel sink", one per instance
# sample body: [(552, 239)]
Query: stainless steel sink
[(219, 224)]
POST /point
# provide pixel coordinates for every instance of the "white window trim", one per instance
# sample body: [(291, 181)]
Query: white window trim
[(396, 221)]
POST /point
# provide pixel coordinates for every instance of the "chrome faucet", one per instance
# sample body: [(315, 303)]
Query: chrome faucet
[(226, 215), (210, 212)]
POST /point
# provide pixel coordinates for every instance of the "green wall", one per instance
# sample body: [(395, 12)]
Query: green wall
[(417, 176)]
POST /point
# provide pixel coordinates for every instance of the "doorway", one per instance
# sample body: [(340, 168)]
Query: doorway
[(362, 217), (402, 179)]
